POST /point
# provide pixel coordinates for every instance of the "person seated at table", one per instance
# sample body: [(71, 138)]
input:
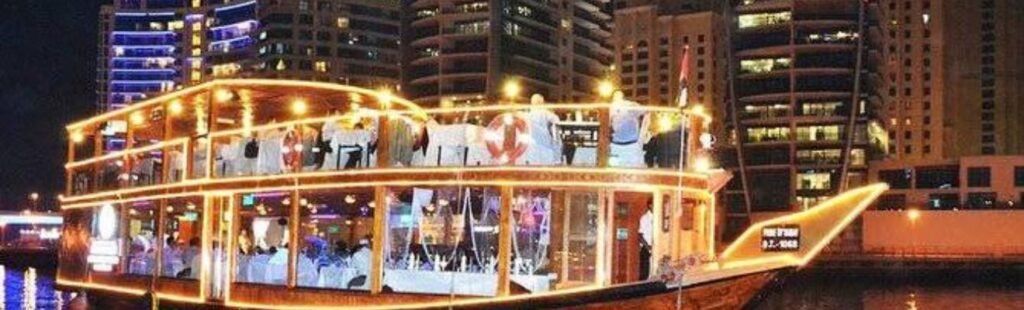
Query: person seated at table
[(361, 261), (171, 258), (188, 256)]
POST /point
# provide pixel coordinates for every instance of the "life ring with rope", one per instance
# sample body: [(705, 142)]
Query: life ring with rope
[(498, 130)]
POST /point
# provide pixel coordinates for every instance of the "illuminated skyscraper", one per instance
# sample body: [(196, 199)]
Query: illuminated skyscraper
[(799, 126), (153, 46), (460, 52)]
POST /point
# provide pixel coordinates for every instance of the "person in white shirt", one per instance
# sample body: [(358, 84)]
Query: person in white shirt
[(646, 231), (361, 261), (361, 258), (546, 148)]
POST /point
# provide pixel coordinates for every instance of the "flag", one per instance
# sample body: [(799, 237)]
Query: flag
[(684, 72)]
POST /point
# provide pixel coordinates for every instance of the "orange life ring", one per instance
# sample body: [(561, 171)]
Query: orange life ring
[(498, 126)]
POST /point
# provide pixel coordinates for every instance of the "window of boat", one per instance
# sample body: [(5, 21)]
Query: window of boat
[(146, 158), (84, 147), (183, 233), (113, 173), (555, 241), (188, 121), (335, 231), (263, 238), (442, 240), (142, 237), (105, 239)]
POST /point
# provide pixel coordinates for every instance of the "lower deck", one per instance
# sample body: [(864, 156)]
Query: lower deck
[(324, 246)]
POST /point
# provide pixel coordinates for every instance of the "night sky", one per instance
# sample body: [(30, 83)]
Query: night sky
[(47, 79)]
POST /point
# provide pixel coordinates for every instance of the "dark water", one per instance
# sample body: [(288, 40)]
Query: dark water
[(30, 289), (995, 289)]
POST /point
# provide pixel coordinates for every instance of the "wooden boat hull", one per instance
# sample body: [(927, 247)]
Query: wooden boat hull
[(727, 293)]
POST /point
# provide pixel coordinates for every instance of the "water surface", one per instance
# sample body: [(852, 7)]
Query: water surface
[(940, 289)]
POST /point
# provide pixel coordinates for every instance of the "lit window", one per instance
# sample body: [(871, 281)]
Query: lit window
[(321, 66), (763, 65), (767, 134), (763, 19), (175, 25), (197, 26), (225, 70), (196, 75), (197, 51), (857, 157), (343, 22), (818, 133), (821, 108), (823, 157), (926, 18), (814, 181)]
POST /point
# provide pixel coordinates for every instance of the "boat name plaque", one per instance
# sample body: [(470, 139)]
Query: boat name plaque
[(780, 238)]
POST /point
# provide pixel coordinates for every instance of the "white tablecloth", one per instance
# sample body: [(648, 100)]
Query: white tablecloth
[(337, 277), (441, 282), (259, 270)]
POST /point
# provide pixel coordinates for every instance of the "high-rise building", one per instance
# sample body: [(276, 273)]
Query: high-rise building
[(461, 52), (911, 67), (984, 76), (649, 47), (351, 42), (799, 124), (951, 78), (152, 46)]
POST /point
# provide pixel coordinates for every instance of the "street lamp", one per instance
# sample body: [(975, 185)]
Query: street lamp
[(34, 196)]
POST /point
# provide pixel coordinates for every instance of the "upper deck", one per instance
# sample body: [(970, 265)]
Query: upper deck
[(230, 134)]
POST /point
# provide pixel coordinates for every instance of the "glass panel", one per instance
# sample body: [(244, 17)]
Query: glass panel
[(176, 162), (442, 241), (183, 232), (336, 229), (147, 167), (82, 179), (574, 241), (147, 126), (531, 212), (142, 240), (198, 157), (263, 238), (112, 173)]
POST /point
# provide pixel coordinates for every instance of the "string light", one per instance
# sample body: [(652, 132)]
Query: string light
[(176, 107), (77, 136), (299, 107), (605, 89)]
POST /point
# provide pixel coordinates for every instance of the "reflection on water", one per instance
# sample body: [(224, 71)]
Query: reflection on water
[(30, 289), (924, 290)]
